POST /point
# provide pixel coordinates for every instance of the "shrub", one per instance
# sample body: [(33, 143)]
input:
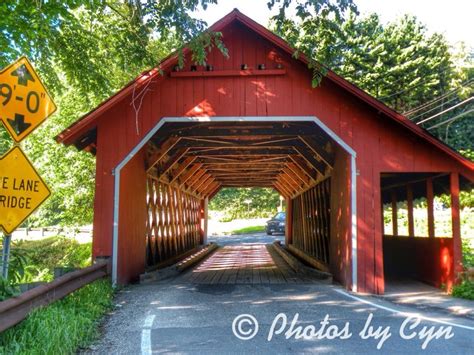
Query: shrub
[(464, 290), (46, 254)]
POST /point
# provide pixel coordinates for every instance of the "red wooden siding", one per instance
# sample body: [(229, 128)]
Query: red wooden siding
[(381, 145), (132, 217), (427, 259), (340, 232)]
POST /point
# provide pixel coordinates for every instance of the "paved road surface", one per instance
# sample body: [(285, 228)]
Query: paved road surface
[(177, 316)]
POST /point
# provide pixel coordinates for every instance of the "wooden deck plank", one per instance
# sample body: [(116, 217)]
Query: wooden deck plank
[(244, 264)]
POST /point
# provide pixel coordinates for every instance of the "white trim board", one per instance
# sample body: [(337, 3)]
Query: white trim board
[(162, 121)]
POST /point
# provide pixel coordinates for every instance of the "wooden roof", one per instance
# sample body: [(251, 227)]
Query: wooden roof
[(82, 132)]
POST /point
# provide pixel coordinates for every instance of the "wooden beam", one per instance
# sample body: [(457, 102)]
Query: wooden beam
[(208, 179), (456, 225), (189, 173), (171, 162), (393, 195), (282, 191), (200, 174), (209, 188), (316, 164), (411, 221), (319, 148), (430, 207), (181, 168), (161, 152), (303, 165), (214, 192), (299, 173), (286, 181), (230, 152), (292, 178)]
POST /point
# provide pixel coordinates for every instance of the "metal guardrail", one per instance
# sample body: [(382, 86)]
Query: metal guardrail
[(15, 309)]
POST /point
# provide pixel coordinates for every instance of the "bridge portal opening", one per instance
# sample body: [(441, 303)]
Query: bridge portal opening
[(188, 163)]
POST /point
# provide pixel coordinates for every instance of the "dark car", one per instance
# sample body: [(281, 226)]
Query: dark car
[(276, 224)]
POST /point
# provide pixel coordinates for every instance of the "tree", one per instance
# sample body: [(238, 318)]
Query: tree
[(231, 201)]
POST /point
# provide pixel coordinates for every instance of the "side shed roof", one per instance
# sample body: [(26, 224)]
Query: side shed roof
[(83, 129)]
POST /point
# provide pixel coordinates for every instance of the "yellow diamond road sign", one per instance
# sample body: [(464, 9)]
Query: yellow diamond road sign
[(21, 189), (24, 101)]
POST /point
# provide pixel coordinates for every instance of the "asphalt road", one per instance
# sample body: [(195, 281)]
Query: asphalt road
[(177, 317)]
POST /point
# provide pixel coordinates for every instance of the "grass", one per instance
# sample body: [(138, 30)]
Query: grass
[(250, 229), (62, 327)]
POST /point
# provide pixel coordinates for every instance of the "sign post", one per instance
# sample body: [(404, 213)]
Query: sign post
[(24, 105), (6, 255)]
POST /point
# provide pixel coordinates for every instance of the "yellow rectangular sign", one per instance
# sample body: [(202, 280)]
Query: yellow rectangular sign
[(24, 101), (21, 189)]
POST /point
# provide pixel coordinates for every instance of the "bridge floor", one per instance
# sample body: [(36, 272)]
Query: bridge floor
[(244, 264)]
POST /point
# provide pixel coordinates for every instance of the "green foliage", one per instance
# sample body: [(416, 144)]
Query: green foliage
[(464, 290), (313, 28), (84, 51), (231, 201), (63, 327), (7, 290), (20, 270), (248, 230), (46, 254), (467, 253), (399, 63)]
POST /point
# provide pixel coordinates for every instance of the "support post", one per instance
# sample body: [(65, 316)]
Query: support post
[(204, 216), (289, 222), (394, 213), (430, 209), (456, 225), (411, 220), (6, 254)]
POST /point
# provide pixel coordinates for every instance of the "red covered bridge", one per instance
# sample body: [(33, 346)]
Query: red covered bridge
[(171, 139)]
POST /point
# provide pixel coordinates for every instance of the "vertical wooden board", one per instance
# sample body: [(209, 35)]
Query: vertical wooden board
[(363, 244), (133, 126), (156, 104), (188, 98), (456, 225), (146, 111), (411, 219), (211, 96), (180, 98), (345, 123), (200, 107), (104, 188), (225, 90), (368, 196), (168, 98), (294, 86), (378, 233), (430, 207), (323, 94), (132, 243)]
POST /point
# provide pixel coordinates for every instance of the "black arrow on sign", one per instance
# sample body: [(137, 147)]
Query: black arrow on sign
[(23, 75), (19, 124)]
